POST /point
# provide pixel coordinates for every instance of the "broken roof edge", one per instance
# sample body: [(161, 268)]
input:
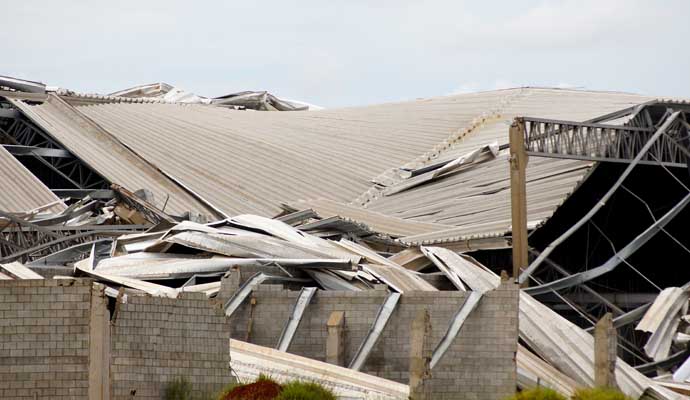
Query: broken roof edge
[(482, 120), (457, 241), (375, 221), (22, 85)]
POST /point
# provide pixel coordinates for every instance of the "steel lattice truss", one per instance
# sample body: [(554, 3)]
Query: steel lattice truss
[(26, 241), (23, 138), (596, 141)]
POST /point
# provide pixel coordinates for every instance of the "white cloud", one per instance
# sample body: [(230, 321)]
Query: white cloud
[(347, 53)]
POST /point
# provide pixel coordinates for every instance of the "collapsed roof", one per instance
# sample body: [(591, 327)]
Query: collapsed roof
[(392, 180), (350, 162)]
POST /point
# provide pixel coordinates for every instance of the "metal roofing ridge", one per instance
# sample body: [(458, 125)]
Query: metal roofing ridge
[(487, 117), (68, 95), (515, 90)]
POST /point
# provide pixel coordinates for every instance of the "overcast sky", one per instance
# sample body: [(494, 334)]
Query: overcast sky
[(341, 53)]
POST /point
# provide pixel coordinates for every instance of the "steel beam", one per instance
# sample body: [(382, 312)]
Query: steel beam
[(375, 331), (18, 150), (456, 324), (96, 194), (295, 318)]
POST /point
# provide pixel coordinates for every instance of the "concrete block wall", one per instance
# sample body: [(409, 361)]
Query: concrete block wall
[(44, 339), (57, 341), (54, 332), (155, 340), (273, 307), (480, 364)]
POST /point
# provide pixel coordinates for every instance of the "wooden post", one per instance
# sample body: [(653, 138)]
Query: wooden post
[(605, 352), (518, 195), (420, 356), (335, 343)]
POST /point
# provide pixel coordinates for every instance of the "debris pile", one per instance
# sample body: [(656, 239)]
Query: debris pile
[(171, 257)]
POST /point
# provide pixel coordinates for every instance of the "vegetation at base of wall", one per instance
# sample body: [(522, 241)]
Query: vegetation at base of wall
[(181, 389), (600, 394), (265, 388), (178, 389), (296, 390), (223, 393), (538, 393), (542, 393)]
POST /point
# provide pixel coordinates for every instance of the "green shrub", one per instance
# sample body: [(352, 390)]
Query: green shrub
[(178, 389), (539, 393), (296, 390), (599, 394)]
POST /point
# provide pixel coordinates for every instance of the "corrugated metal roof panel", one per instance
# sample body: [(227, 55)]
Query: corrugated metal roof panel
[(250, 162), (20, 190), (380, 223), (476, 201), (104, 153), (230, 158)]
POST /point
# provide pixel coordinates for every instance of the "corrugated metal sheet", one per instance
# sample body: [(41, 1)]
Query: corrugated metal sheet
[(477, 201), (250, 360), (106, 154), (241, 161), (250, 162), (20, 190), (378, 222)]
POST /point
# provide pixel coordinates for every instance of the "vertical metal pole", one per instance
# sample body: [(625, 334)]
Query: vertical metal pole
[(518, 195)]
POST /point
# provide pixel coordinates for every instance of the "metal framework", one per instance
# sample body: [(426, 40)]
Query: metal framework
[(22, 138), (653, 133), (24, 241), (612, 143)]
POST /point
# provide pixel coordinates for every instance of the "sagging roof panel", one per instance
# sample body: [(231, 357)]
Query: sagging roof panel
[(105, 154), (20, 190), (251, 162), (476, 201), (245, 161)]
